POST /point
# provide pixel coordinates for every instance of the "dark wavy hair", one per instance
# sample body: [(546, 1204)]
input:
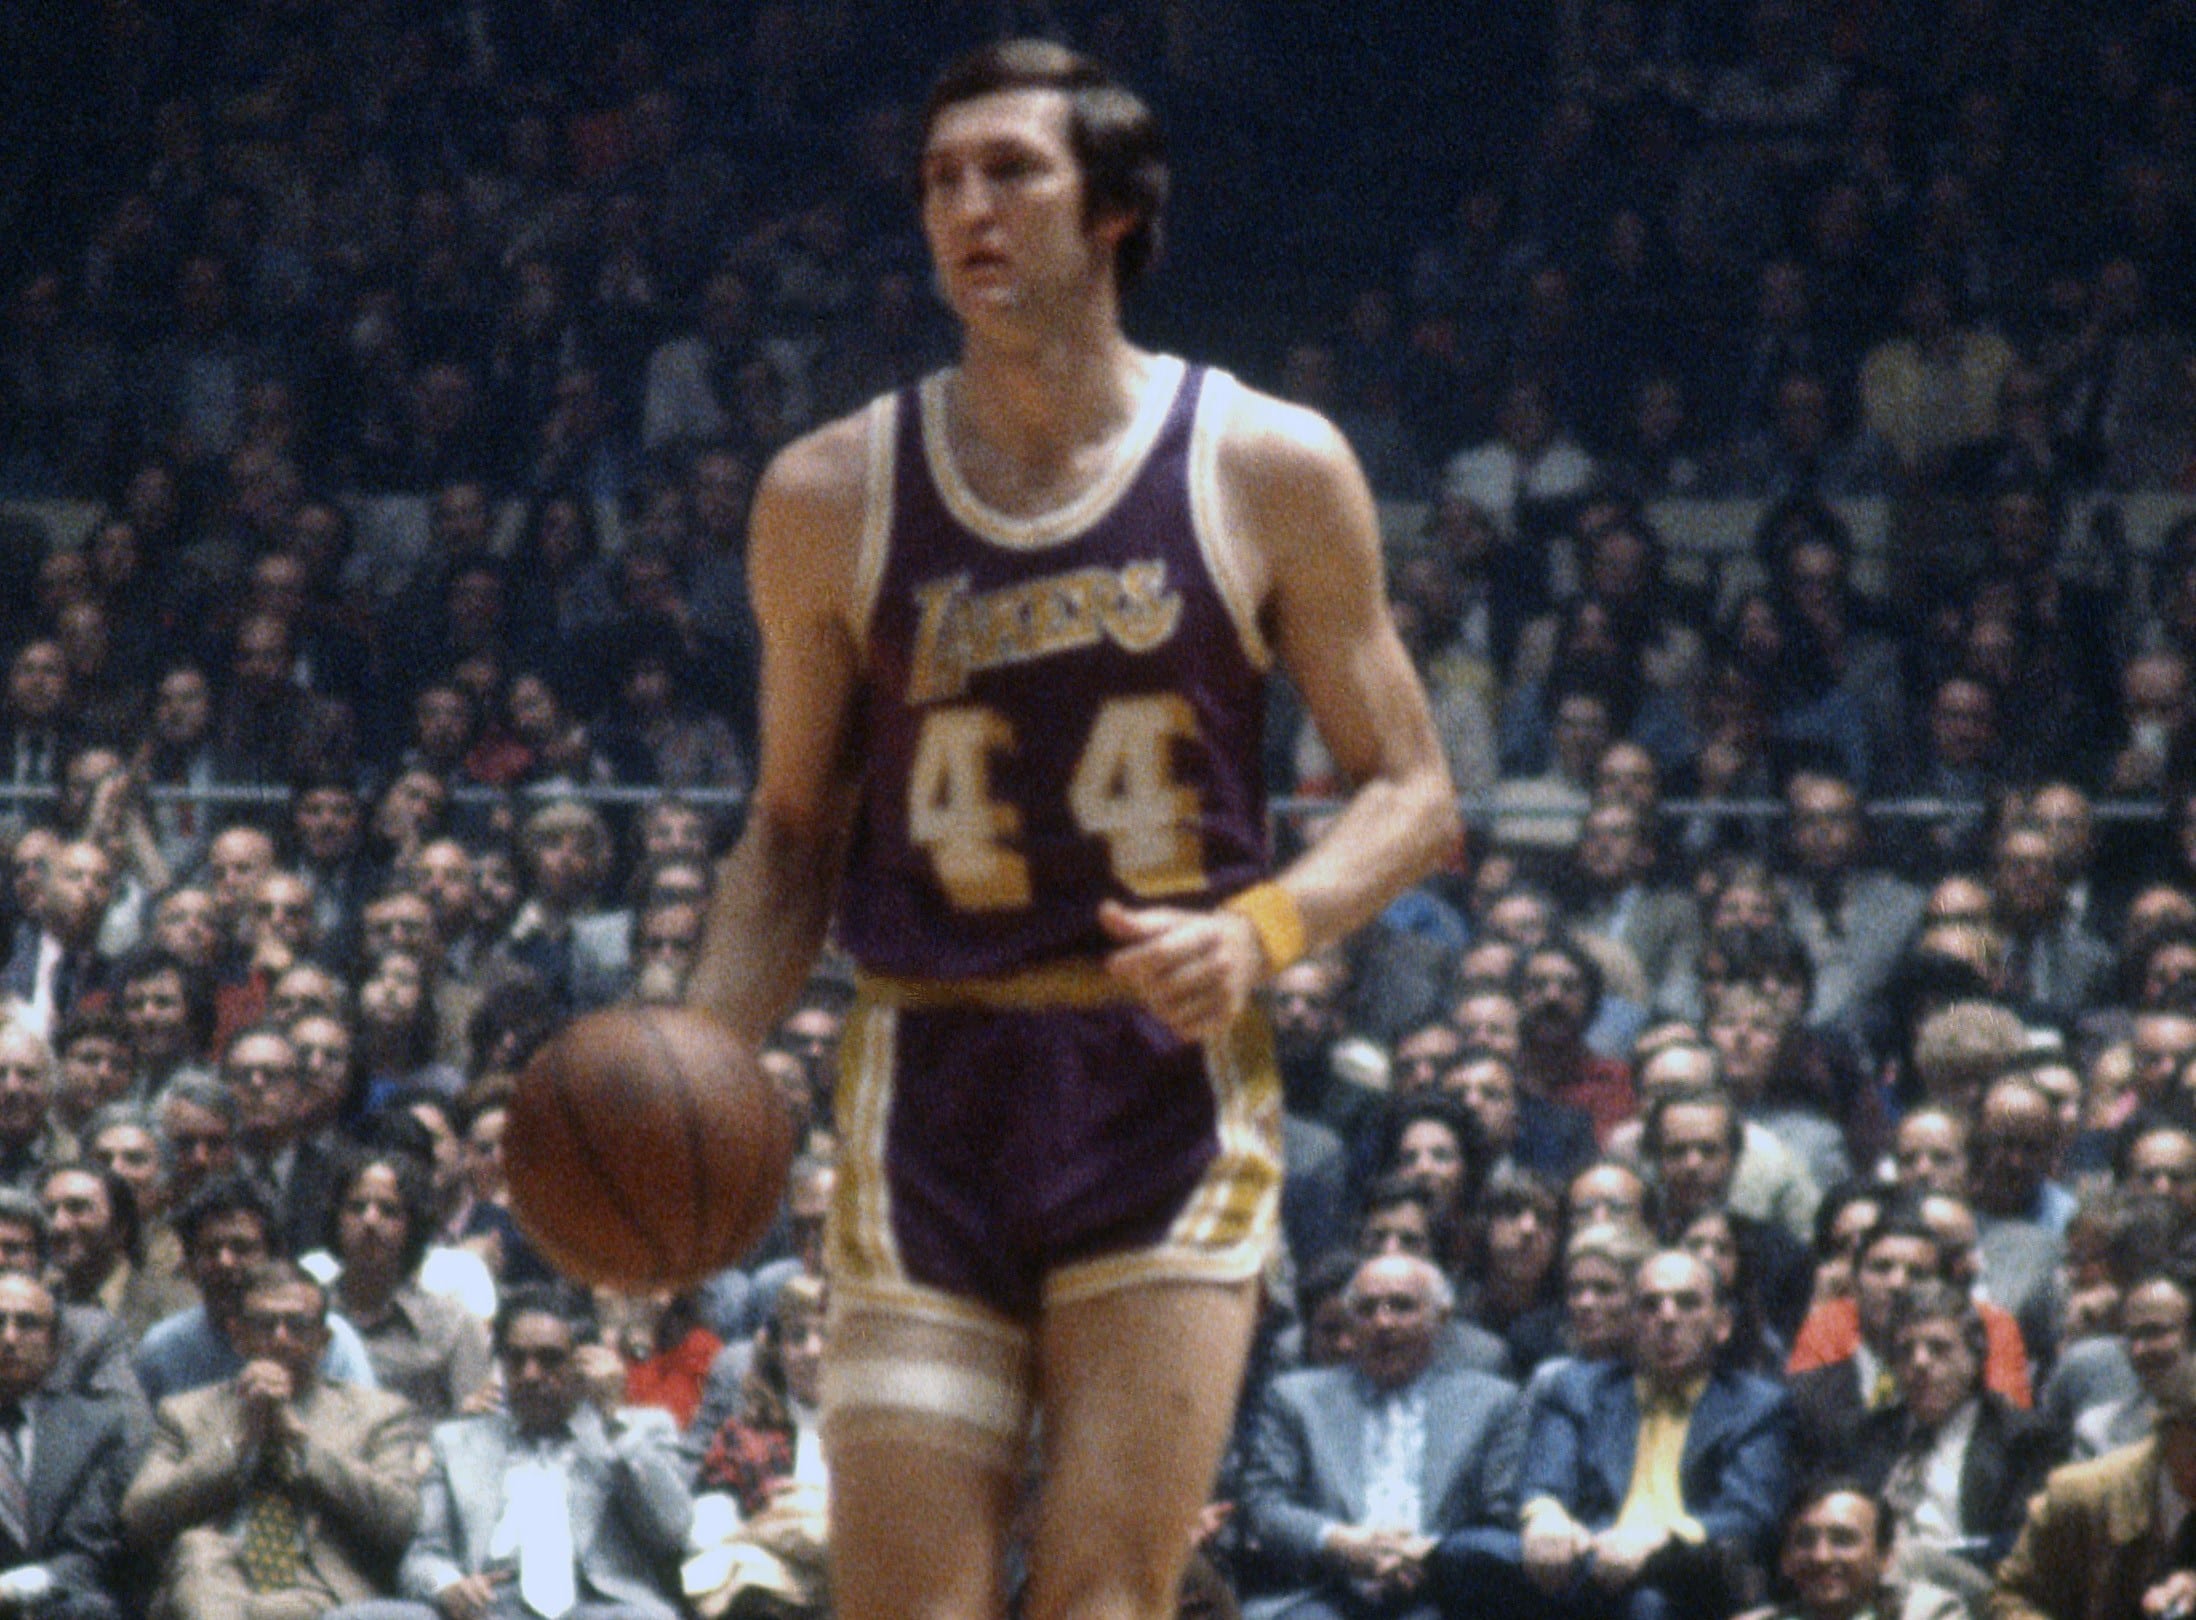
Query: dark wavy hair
[(1115, 138)]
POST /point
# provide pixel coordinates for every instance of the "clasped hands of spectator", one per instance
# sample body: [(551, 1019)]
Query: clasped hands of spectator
[(1555, 1544), (1394, 1561), (272, 1428)]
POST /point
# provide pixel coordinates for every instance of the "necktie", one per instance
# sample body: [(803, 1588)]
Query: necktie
[(1826, 907), (1396, 1458), (537, 1517), (14, 1487), (270, 1553), (1656, 1497)]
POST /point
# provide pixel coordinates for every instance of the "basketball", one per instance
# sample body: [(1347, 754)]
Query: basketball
[(645, 1149)]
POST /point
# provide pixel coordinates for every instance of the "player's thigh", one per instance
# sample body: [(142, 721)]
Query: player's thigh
[(1138, 1390), (919, 1524), (926, 1423)]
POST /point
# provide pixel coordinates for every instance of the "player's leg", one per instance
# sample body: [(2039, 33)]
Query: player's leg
[(926, 1421), (918, 1528), (1138, 1388)]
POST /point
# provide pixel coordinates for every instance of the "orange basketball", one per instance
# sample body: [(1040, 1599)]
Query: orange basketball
[(645, 1149)]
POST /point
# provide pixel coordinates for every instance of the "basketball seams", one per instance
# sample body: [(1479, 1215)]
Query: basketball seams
[(697, 1149), (606, 1184), (601, 1121)]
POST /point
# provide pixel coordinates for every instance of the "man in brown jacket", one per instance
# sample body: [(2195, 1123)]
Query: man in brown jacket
[(2115, 1538), (277, 1494)]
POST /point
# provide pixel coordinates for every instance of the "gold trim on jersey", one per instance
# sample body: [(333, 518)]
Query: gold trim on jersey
[(873, 551), (1076, 986), (1219, 546), (1065, 522)]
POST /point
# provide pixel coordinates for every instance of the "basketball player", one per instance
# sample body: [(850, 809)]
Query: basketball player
[(1015, 627)]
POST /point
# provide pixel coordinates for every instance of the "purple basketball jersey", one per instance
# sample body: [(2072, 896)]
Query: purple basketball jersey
[(1056, 711)]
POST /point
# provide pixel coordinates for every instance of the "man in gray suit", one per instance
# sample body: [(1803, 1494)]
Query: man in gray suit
[(1854, 921), (2056, 969), (64, 1460), (1358, 1470), (1614, 898), (548, 1507)]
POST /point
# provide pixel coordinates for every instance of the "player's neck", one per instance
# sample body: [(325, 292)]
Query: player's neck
[(1041, 400)]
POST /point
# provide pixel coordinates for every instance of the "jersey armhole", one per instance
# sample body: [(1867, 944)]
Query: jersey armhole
[(877, 491), (1222, 550)]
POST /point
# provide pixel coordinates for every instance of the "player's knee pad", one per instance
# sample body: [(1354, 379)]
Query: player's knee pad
[(927, 1370)]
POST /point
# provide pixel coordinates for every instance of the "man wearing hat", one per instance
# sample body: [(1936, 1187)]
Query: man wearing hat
[(2115, 1537)]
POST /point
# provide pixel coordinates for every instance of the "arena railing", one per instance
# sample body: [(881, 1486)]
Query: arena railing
[(1476, 808)]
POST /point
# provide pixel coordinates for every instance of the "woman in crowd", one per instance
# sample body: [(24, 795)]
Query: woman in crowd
[(1712, 1238), (424, 1346), (769, 1459), (398, 1033), (1513, 1287), (1433, 1142)]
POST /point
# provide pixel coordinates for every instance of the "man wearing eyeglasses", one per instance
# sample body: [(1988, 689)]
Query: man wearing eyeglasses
[(1650, 1489), (228, 1230), (561, 1504), (276, 1494)]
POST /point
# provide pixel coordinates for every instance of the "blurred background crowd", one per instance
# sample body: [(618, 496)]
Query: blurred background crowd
[(1784, 417)]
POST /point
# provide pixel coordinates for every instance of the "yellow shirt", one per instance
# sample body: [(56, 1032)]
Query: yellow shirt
[(1656, 1500)]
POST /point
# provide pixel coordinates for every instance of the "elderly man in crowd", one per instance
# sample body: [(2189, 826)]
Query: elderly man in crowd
[(1953, 1463), (30, 1141), (262, 1071), (1358, 1470), (1651, 1488)]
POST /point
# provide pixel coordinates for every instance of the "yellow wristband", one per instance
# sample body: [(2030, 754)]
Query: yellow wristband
[(1272, 911)]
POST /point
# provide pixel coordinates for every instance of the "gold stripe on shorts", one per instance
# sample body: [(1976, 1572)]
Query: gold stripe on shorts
[(1226, 1227), (860, 1241)]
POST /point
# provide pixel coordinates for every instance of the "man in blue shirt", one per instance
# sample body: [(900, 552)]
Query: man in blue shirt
[(227, 1229)]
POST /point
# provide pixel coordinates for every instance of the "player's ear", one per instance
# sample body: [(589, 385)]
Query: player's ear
[(1111, 225)]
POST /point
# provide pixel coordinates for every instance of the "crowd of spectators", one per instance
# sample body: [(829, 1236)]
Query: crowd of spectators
[(1711, 1192)]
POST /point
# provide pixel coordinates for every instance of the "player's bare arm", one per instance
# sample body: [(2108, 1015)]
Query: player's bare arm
[(1304, 518), (776, 889)]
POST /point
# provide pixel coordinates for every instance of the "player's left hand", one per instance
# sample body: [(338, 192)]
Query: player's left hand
[(1194, 970)]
